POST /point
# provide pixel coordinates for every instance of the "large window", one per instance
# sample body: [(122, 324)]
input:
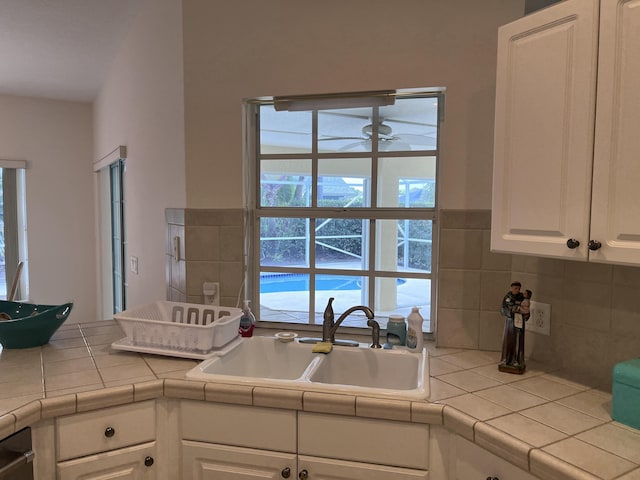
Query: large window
[(343, 203)]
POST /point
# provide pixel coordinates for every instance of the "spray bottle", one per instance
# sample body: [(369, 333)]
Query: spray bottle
[(247, 321), (415, 341)]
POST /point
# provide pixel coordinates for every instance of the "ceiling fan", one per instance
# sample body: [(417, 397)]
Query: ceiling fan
[(387, 140)]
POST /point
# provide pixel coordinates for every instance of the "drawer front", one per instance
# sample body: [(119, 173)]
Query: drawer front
[(107, 429), (243, 426), (400, 444)]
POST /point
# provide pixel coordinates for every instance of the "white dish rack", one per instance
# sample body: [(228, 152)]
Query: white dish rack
[(178, 329)]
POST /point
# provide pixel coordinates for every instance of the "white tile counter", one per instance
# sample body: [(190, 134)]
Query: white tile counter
[(544, 421)]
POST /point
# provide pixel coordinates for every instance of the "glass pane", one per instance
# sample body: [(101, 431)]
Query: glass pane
[(347, 291), (407, 182), (284, 132), (285, 183), (344, 182), (340, 243), (404, 245), (409, 124), (398, 295), (284, 297), (344, 130), (283, 242)]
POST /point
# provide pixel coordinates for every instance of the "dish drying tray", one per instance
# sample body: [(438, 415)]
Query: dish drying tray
[(178, 329)]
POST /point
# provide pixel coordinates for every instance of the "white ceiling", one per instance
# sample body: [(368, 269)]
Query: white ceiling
[(60, 49)]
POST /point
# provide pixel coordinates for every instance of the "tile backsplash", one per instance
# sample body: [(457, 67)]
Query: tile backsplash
[(209, 249), (595, 318)]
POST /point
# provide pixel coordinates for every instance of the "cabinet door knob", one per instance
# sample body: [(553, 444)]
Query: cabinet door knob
[(109, 432), (286, 472), (594, 245), (303, 475), (493, 478), (148, 461), (573, 243)]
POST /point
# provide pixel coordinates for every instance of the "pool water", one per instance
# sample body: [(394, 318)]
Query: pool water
[(300, 283)]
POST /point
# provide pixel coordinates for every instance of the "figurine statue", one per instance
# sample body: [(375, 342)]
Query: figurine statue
[(515, 309)]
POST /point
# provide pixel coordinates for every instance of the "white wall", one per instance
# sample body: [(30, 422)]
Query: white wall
[(54, 137), (249, 48), (141, 106)]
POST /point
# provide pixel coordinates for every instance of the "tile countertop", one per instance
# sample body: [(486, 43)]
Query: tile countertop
[(544, 421)]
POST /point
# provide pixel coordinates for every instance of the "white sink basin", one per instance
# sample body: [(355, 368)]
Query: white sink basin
[(258, 358), (265, 361), (367, 367)]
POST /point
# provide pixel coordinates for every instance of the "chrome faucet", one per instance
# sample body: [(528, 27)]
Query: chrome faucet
[(329, 326)]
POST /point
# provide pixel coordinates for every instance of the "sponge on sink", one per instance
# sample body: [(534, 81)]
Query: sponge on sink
[(322, 347)]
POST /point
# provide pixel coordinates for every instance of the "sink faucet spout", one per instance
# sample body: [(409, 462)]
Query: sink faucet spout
[(329, 326)]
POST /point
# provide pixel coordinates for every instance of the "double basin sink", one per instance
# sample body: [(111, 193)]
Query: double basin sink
[(266, 361)]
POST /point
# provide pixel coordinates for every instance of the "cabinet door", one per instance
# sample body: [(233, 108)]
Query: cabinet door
[(208, 461), (475, 463), (131, 463), (543, 148), (616, 181), (330, 469)]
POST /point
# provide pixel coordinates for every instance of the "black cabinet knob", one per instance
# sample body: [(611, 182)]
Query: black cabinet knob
[(109, 432), (148, 461), (303, 475), (286, 472), (594, 245), (573, 243)]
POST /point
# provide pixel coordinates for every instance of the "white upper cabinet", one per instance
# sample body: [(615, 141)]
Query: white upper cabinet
[(615, 210), (566, 157)]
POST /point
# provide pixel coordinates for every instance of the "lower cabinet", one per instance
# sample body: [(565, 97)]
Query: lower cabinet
[(134, 463), (241, 442), (315, 468), (471, 462), (111, 443), (197, 440)]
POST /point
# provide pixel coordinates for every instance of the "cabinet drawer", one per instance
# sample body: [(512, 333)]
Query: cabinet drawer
[(107, 429), (400, 444), (243, 426)]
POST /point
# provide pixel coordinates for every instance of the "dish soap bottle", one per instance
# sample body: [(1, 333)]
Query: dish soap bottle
[(415, 340), (247, 321)]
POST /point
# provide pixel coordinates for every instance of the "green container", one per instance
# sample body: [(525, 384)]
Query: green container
[(626, 393), (30, 325)]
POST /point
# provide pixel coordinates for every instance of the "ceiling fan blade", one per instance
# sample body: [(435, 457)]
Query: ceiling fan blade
[(414, 139), (340, 138), (365, 144)]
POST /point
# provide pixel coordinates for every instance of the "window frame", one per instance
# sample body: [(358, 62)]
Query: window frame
[(254, 211)]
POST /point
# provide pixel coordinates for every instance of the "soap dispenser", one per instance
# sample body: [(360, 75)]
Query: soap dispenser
[(247, 321)]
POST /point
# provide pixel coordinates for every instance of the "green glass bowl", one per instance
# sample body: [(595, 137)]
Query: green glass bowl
[(30, 325)]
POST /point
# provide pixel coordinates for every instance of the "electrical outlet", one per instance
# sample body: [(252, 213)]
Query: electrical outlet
[(540, 319), (211, 293)]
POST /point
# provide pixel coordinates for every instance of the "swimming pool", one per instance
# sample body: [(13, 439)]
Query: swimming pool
[(288, 282)]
